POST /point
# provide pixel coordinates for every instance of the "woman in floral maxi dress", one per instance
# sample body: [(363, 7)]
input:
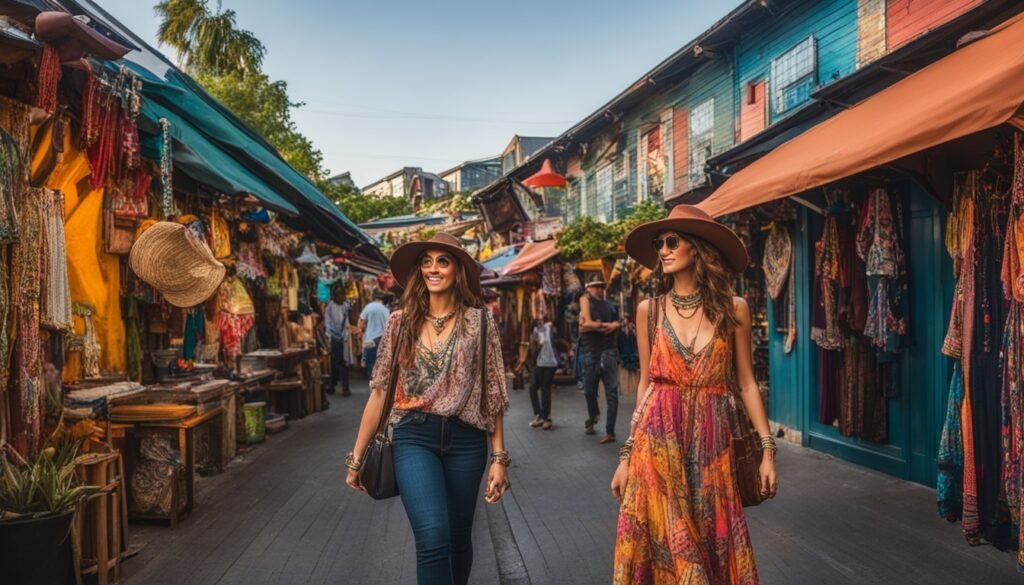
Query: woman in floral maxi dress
[(681, 519)]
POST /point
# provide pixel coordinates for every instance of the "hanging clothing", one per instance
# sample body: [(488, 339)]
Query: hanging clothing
[(681, 518), (990, 314), (862, 392), (949, 490), (829, 363), (825, 320), (879, 245)]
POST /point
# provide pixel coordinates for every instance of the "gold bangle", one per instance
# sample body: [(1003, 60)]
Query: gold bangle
[(501, 458), (352, 463)]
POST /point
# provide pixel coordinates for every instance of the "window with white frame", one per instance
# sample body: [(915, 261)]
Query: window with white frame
[(794, 76), (702, 137), (603, 187)]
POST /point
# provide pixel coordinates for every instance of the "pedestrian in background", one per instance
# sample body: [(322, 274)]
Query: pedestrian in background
[(336, 322), (688, 526), (372, 320), (448, 404), (544, 355), (598, 347)]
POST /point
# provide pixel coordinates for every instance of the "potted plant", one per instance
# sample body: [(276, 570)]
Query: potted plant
[(38, 498)]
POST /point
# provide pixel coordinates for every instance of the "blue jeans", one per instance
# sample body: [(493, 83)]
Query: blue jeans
[(369, 359), (439, 463), (602, 368)]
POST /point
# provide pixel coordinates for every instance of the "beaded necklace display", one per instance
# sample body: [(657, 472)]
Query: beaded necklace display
[(57, 298), (49, 78)]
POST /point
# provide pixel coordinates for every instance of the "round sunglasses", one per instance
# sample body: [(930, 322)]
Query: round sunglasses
[(672, 242)]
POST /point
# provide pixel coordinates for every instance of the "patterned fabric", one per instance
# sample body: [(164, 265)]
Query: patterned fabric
[(455, 391), (878, 244), (949, 491), (681, 520), (778, 255)]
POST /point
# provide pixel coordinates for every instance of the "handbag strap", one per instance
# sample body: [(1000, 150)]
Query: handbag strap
[(483, 360), (389, 399)]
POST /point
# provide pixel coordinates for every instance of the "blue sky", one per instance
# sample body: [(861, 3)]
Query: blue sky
[(392, 83)]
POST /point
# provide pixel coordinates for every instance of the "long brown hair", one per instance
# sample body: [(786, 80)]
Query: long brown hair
[(416, 306), (714, 281)]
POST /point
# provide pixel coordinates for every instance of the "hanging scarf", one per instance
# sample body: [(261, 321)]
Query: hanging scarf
[(57, 300), (828, 334), (878, 244), (949, 489)]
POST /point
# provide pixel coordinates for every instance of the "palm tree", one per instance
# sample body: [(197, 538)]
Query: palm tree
[(208, 42)]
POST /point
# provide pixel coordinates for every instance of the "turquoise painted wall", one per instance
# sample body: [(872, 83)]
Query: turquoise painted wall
[(833, 23)]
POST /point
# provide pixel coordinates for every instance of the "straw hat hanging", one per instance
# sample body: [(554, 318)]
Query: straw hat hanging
[(180, 266)]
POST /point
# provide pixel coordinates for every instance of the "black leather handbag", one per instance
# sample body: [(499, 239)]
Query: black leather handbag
[(377, 475)]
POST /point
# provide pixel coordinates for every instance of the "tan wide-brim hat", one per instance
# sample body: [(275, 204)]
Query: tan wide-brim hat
[(404, 260), (687, 220), (180, 266)]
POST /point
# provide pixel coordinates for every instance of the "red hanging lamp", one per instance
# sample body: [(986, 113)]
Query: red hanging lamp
[(545, 177)]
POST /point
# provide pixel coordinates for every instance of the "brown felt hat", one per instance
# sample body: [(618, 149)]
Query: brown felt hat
[(687, 220), (404, 260), (180, 266)]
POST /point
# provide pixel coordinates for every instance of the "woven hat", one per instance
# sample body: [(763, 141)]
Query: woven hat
[(691, 221), (778, 252), (404, 259), (180, 266)]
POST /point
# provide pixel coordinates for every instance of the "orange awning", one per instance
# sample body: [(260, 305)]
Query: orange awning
[(975, 88), (531, 256)]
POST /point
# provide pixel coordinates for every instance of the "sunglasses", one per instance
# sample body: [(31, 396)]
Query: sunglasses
[(672, 242)]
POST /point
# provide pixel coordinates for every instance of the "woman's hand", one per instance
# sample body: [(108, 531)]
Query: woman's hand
[(353, 481), (619, 480), (497, 483), (769, 478)]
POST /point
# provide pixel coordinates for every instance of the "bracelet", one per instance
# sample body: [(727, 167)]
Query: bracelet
[(626, 450), (768, 444), (501, 458), (352, 463)]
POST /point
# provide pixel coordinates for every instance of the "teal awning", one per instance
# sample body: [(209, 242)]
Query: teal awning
[(197, 157), (185, 98)]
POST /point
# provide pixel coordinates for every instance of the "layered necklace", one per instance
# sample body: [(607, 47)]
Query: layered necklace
[(440, 322), (692, 303)]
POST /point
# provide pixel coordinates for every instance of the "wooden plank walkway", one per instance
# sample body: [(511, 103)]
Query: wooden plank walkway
[(281, 515)]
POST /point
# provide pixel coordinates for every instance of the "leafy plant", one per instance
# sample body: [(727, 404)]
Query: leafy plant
[(587, 238), (361, 208), (45, 484), (454, 204)]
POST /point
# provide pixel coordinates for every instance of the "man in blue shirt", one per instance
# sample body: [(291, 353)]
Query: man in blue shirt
[(336, 323), (371, 323)]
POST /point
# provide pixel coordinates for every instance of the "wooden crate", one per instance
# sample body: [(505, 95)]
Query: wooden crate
[(101, 521)]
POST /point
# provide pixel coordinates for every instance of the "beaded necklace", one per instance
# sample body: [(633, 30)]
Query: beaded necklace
[(49, 78)]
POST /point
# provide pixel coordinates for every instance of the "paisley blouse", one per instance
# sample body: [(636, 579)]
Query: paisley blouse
[(452, 387)]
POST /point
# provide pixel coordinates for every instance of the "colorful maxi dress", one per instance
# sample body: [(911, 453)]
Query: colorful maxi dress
[(681, 521)]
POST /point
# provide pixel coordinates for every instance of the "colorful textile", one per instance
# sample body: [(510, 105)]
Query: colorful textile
[(949, 489), (878, 244), (681, 519), (825, 324), (453, 389)]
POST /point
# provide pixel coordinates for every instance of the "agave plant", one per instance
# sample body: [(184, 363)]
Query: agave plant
[(45, 484)]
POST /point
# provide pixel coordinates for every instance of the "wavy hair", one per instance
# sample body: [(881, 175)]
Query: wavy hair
[(416, 306), (714, 281)]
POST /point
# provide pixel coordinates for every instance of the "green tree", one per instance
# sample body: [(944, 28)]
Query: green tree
[(587, 238), (208, 42), (362, 208), (265, 106)]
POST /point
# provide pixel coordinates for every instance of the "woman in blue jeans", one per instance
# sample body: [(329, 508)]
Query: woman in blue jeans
[(447, 411)]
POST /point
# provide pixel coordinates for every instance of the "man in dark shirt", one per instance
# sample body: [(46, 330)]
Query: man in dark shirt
[(598, 328)]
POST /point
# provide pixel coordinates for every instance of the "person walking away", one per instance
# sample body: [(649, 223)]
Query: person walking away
[(372, 320), (543, 342), (599, 350), (681, 514), (336, 322), (447, 408)]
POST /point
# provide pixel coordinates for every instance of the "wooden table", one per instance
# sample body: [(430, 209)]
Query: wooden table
[(185, 429)]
